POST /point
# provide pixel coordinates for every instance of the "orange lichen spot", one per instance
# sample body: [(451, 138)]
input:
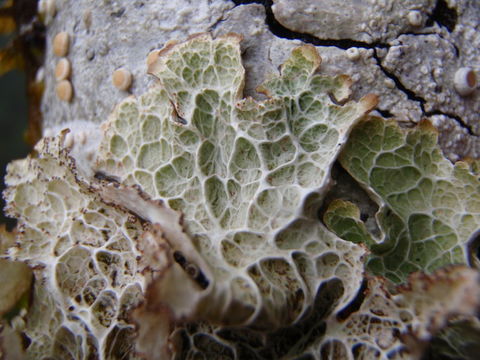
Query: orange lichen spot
[(64, 90), (7, 21), (61, 43), (63, 69), (122, 79)]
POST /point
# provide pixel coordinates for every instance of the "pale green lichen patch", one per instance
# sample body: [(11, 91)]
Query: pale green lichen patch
[(430, 209), (379, 328), (197, 235), (83, 252), (416, 311), (237, 167)]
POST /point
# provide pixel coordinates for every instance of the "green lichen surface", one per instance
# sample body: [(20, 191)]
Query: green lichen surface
[(245, 174), (430, 208), (83, 253), (198, 236)]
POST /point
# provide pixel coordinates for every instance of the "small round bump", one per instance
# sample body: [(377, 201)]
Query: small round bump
[(42, 7), (103, 49), (465, 81), (90, 155), (353, 53), (64, 90), (389, 83), (415, 18), (61, 43), (87, 19), (122, 79), (82, 137), (63, 69)]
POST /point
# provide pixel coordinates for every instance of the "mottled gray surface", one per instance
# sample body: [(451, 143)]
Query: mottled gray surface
[(362, 20), (106, 35), (408, 59)]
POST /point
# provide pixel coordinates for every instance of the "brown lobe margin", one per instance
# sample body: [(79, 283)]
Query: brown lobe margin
[(369, 102)]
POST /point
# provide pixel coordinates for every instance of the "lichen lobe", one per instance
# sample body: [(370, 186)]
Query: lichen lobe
[(198, 235)]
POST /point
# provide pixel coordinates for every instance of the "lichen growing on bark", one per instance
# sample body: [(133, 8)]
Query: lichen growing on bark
[(199, 236)]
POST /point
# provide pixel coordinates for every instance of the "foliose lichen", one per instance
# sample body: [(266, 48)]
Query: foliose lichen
[(199, 236)]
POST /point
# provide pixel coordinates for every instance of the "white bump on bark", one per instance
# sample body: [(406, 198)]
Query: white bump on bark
[(465, 81), (414, 18), (353, 54)]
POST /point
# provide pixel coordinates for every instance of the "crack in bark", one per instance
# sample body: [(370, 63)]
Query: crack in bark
[(281, 31), (411, 95), (442, 15), (457, 118), (355, 304), (385, 113)]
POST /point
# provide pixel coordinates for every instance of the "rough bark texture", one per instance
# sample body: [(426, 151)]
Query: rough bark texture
[(164, 216), (406, 52)]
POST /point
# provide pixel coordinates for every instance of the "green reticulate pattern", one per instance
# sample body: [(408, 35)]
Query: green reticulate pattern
[(246, 175), (429, 208), (83, 254)]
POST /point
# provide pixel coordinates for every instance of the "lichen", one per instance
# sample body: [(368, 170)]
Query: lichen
[(429, 208), (244, 174), (83, 252), (195, 234)]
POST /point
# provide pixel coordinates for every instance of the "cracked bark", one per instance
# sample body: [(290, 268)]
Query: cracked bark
[(279, 31), (88, 39), (442, 16)]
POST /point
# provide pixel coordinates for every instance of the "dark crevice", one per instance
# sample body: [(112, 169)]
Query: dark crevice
[(474, 250), (214, 26), (443, 16), (282, 32), (10, 223), (355, 304), (413, 96), (410, 94), (456, 49), (117, 14), (246, 2), (385, 113), (457, 118)]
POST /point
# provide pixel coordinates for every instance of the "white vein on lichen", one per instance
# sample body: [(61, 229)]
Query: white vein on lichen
[(204, 205)]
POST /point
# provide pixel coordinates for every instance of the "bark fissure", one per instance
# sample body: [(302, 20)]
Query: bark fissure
[(411, 95), (441, 15), (281, 31), (457, 118)]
